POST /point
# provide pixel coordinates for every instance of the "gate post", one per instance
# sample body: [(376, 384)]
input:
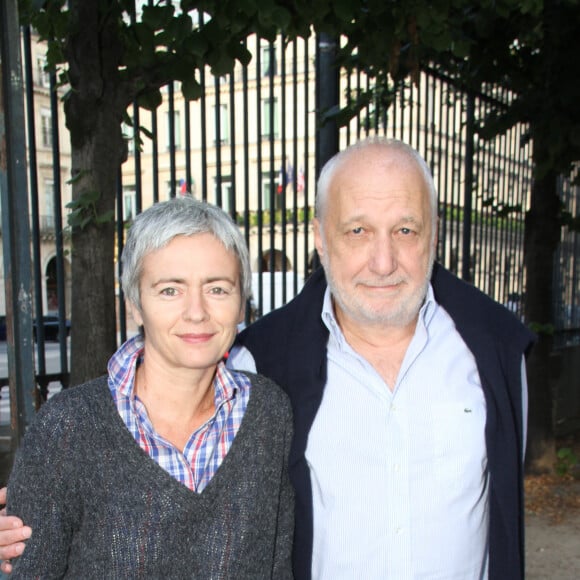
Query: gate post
[(15, 226), (327, 98)]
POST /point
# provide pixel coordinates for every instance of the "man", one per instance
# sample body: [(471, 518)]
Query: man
[(407, 387)]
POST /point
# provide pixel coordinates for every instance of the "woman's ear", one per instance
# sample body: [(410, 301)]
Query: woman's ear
[(135, 313)]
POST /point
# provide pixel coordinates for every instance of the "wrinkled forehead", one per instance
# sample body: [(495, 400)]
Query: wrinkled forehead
[(378, 176)]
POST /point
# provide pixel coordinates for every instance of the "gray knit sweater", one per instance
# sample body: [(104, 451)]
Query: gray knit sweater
[(100, 507)]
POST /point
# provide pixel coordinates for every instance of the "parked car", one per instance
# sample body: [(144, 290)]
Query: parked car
[(51, 326)]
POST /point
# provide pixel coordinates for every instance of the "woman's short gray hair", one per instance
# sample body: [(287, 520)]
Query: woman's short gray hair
[(154, 228)]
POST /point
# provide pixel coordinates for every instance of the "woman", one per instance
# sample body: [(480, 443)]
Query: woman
[(171, 466)]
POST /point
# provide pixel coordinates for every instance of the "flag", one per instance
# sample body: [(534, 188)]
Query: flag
[(182, 186), (280, 180), (289, 174), (300, 180)]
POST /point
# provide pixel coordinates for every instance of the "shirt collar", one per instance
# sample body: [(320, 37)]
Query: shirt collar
[(123, 364)]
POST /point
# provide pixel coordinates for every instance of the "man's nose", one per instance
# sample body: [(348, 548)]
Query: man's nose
[(383, 259)]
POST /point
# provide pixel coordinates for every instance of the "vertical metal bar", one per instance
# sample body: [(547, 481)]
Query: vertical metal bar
[(137, 161), (259, 159), (232, 191), (120, 244), (284, 154), (155, 155), (297, 168), (327, 97), (172, 147), (35, 211), (246, 156), (15, 225), (218, 142), (203, 129), (187, 128), (468, 189), (57, 201), (305, 207), (273, 188)]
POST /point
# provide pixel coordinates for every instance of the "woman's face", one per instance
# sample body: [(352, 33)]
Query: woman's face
[(191, 303)]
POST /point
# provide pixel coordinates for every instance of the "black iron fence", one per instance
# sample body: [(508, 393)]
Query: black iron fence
[(253, 143)]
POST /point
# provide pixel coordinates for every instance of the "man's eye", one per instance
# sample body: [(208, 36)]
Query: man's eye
[(218, 290), (406, 231), (357, 231), (169, 291)]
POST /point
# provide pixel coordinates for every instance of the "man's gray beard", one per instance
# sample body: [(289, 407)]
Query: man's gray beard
[(404, 315)]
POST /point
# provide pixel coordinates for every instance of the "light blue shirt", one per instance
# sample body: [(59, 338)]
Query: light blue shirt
[(399, 479)]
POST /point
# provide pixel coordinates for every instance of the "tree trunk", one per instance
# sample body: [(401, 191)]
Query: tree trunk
[(94, 112), (542, 237), (93, 328)]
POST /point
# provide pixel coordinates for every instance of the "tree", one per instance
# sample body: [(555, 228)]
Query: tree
[(109, 57)]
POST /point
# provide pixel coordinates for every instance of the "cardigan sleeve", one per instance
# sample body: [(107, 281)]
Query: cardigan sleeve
[(38, 493)]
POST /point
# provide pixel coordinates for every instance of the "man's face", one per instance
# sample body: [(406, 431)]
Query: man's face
[(376, 239), (190, 303)]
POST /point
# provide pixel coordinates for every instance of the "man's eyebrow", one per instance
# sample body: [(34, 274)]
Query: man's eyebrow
[(168, 280)]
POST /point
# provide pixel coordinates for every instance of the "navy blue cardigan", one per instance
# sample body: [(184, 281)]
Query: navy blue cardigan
[(289, 346)]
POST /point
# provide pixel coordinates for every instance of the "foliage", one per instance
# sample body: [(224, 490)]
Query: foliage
[(567, 460), (84, 211)]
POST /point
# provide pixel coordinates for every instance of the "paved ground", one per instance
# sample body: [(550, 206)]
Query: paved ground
[(553, 549)]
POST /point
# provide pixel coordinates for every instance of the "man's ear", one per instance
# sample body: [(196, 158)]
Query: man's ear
[(317, 229)]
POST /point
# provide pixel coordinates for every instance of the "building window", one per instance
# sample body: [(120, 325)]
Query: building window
[(47, 217), (176, 128), (224, 197), (268, 60), (270, 117), (129, 136), (128, 202), (224, 125), (270, 192), (46, 127), (42, 76)]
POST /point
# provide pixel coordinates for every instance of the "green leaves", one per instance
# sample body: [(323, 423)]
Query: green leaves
[(84, 211)]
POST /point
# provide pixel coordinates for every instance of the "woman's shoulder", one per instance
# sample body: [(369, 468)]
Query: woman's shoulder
[(75, 401), (267, 392)]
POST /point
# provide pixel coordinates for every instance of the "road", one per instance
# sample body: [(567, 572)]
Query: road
[(52, 362)]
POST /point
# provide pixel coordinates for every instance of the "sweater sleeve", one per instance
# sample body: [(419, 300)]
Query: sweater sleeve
[(39, 493)]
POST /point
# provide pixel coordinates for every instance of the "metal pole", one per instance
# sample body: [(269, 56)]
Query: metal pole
[(327, 99), (468, 189), (15, 225)]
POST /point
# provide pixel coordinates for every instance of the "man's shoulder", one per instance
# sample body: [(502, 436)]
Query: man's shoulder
[(305, 306), (470, 308)]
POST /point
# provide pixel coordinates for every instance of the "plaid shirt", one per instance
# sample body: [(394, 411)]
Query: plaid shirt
[(207, 446)]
